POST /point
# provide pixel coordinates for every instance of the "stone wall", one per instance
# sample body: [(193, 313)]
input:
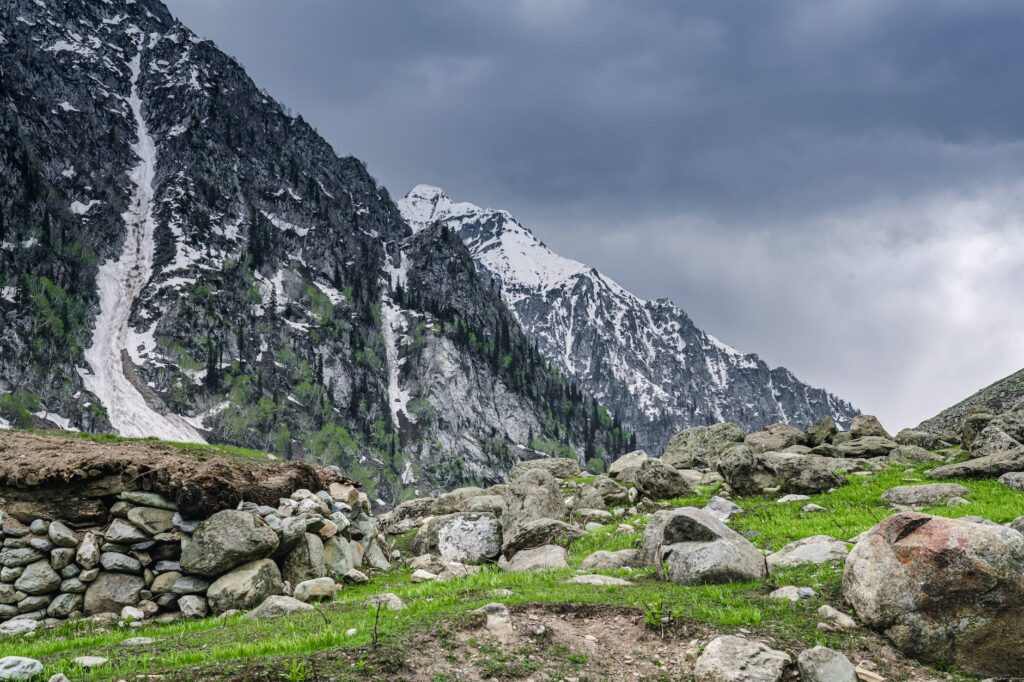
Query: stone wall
[(148, 562)]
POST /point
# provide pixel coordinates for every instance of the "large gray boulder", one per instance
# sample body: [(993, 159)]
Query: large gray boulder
[(1013, 480), (983, 467), (625, 468), (920, 496), (38, 578), (821, 431), (822, 664), (699, 549), (973, 424), (536, 533), (559, 467), (867, 446), (750, 473), (305, 562), (543, 558), (277, 605), (454, 501), (466, 537), (700, 446), (20, 668), (922, 439), (536, 495), (867, 426), (775, 438), (604, 560), (1003, 434), (817, 549), (340, 557), (227, 539), (943, 590), (734, 659), (245, 587), (111, 592), (661, 481)]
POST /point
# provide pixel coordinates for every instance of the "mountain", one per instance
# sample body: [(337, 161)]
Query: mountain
[(996, 398), (645, 360), (182, 258)]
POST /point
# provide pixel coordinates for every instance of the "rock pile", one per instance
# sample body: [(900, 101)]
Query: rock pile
[(150, 563)]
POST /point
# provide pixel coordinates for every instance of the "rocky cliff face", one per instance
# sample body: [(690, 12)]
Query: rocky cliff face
[(995, 399), (180, 257), (645, 360)]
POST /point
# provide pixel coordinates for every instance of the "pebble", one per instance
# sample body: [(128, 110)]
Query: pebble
[(91, 661)]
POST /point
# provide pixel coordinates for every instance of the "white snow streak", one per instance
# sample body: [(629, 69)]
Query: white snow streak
[(393, 327), (120, 282)]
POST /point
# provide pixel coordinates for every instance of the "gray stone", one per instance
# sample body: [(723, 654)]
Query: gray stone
[(305, 562), (817, 549), (34, 603), (601, 560), (16, 628), (122, 532), (700, 446), (538, 559), (722, 508), (491, 504), (699, 549), (318, 589), (61, 535), (1013, 480), (750, 473), (148, 500), (64, 605), (225, 540), (498, 619), (120, 563), (339, 557), (18, 557), (821, 431), (454, 501), (987, 466), (61, 558), (601, 580), (661, 481), (774, 438), (72, 586), (868, 446), (625, 468), (943, 590), (866, 425), (89, 662), (822, 664), (734, 659), (245, 587), (919, 496), (921, 439), (193, 606), (38, 578), (468, 537), (151, 519), (535, 534), (88, 554), (536, 495), (185, 584), (387, 600), (19, 668), (110, 592), (278, 605), (559, 467)]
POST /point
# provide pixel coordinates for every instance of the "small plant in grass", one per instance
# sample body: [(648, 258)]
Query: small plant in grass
[(296, 671)]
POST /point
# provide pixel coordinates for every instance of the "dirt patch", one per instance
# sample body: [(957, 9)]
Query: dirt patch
[(67, 478)]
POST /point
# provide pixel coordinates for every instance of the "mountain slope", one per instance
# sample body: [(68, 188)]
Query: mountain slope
[(180, 257), (644, 360), (996, 398)]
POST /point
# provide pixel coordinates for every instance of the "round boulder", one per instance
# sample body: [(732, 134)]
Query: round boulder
[(111, 592), (469, 537), (225, 540), (245, 587)]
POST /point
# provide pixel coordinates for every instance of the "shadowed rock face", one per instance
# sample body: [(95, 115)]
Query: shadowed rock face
[(943, 590)]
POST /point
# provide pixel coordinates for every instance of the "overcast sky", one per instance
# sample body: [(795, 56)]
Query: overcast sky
[(836, 185)]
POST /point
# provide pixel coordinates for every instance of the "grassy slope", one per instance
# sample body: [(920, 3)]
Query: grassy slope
[(214, 647)]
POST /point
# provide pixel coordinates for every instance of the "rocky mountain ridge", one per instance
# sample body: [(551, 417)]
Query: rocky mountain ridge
[(645, 360)]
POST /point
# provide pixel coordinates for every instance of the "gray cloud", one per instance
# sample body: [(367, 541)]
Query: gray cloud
[(830, 184)]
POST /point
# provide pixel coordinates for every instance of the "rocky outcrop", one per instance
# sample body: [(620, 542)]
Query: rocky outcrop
[(700, 446), (995, 399), (943, 590), (750, 473)]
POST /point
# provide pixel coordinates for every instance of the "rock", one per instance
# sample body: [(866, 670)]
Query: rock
[(721, 508), (822, 664), (499, 620), (699, 549), (921, 439), (355, 577), (988, 466), (625, 468), (610, 491), (130, 613), (145, 499), (120, 563), (123, 533), (749, 473), (536, 533), (226, 540), (1013, 480), (467, 537), (538, 559), (818, 549), (422, 576), (305, 562), (559, 467), (661, 481), (188, 584), (821, 431), (277, 605), (16, 557), (16, 628), (603, 580), (339, 557), (868, 446), (192, 606), (837, 619), (38, 578), (867, 426), (786, 593), (812, 508), (19, 668), (138, 641), (792, 498), (111, 592), (152, 520), (774, 438), (943, 590), (245, 587), (602, 560), (1005, 433), (734, 659), (454, 501), (388, 600), (919, 496), (536, 495), (61, 535), (598, 516), (88, 554), (164, 583), (491, 504), (64, 605), (699, 446), (912, 454), (1018, 524), (972, 425), (318, 589)]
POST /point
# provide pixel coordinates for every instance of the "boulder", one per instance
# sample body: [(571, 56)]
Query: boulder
[(817, 549), (774, 438), (603, 560), (88, 554), (111, 592), (536, 495), (454, 501), (124, 533), (920, 496), (661, 481), (601, 580), (610, 491), (1013, 480), (227, 539), (867, 426), (245, 587), (19, 668), (734, 659), (491, 504), (318, 589), (587, 497), (943, 590), (699, 446), (388, 600), (1003, 434), (983, 467), (61, 535), (152, 520), (120, 563), (721, 508), (912, 454), (868, 446), (921, 439), (749, 473), (821, 431), (64, 605), (339, 557), (822, 664), (625, 468), (277, 605), (38, 578), (536, 533), (972, 425), (466, 537), (699, 549), (305, 562), (193, 606), (538, 559), (559, 467)]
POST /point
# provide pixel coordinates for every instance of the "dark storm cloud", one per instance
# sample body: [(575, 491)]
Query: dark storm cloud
[(806, 178)]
